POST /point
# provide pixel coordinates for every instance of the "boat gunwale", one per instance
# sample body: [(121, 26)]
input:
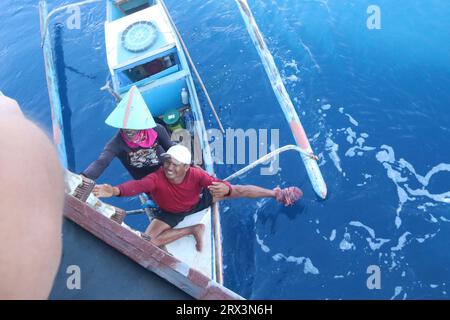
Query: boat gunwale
[(145, 253)]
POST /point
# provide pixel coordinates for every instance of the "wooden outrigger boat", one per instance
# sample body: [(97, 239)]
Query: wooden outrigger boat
[(138, 32)]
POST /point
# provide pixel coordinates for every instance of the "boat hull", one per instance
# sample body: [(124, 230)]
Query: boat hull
[(146, 254)]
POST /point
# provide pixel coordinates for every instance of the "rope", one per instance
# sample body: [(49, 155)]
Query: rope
[(193, 67)]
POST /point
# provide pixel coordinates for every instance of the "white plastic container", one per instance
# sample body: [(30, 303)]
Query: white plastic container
[(184, 97)]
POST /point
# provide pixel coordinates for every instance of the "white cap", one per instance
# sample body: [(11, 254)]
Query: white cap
[(179, 153)]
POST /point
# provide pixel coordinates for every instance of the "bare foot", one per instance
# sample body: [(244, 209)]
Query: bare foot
[(198, 234)]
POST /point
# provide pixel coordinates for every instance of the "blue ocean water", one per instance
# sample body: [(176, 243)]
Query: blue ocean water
[(373, 102)]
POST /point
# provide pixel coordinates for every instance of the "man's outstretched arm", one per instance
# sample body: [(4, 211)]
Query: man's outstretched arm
[(127, 189), (286, 196)]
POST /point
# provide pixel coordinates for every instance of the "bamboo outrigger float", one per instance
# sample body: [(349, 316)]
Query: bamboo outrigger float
[(310, 161), (137, 32)]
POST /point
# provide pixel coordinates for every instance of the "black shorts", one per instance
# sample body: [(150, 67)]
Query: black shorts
[(172, 219)]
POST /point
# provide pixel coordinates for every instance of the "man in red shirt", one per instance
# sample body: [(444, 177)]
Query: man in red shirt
[(180, 190)]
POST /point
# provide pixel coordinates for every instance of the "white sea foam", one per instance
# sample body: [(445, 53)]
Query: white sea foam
[(360, 141), (292, 64), (316, 136), (292, 78), (264, 248), (351, 152), (393, 262), (350, 135), (386, 155), (308, 266), (316, 65), (345, 243), (443, 197), (397, 292), (401, 242), (387, 158), (332, 149), (352, 120), (399, 171), (333, 235), (426, 237), (359, 148), (361, 225), (374, 243)]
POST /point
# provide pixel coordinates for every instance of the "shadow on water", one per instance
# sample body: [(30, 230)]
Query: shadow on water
[(270, 217), (62, 82)]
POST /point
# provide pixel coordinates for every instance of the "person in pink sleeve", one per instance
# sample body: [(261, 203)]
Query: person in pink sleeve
[(180, 189)]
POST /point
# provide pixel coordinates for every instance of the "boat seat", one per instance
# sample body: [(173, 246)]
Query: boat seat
[(192, 219)]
